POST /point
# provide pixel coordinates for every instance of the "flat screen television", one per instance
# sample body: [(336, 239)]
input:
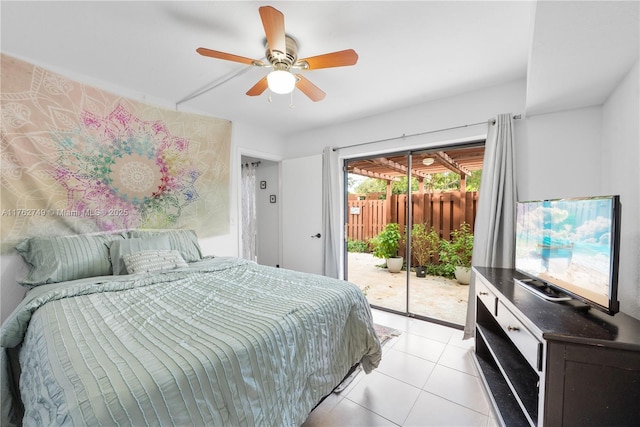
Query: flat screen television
[(569, 248)]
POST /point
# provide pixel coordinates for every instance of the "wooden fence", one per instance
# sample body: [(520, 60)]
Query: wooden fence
[(444, 211)]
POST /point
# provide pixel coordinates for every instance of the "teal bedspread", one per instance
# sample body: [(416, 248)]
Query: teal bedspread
[(225, 342)]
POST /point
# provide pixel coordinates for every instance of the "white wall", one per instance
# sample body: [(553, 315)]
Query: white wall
[(558, 155), (621, 175), (472, 107)]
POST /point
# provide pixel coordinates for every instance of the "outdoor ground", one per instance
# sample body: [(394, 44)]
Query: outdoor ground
[(432, 296)]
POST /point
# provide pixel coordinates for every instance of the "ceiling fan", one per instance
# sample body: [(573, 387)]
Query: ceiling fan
[(282, 54)]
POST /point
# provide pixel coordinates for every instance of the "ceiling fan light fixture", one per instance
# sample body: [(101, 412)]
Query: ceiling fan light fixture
[(281, 53), (281, 81)]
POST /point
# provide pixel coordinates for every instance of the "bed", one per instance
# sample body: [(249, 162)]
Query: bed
[(209, 341)]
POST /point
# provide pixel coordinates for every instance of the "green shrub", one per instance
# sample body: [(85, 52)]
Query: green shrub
[(458, 251), (439, 270), (425, 243), (357, 246), (386, 244)]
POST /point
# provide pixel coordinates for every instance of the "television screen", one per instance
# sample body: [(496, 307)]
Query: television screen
[(571, 245)]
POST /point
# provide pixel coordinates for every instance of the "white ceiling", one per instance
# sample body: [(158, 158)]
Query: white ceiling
[(571, 53)]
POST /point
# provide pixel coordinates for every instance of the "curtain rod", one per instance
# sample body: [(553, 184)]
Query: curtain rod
[(493, 121), (246, 165)]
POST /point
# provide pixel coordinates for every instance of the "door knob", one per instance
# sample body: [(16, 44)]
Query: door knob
[(317, 236)]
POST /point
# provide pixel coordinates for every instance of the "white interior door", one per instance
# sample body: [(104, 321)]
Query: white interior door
[(302, 214)]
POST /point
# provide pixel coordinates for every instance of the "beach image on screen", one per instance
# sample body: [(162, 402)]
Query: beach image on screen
[(567, 243)]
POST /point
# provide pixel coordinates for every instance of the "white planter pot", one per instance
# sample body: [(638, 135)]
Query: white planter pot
[(463, 275), (394, 265)]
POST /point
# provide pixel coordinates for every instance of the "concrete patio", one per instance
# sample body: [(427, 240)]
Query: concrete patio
[(432, 296)]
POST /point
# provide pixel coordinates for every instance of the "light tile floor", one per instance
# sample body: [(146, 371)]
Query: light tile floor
[(426, 378)]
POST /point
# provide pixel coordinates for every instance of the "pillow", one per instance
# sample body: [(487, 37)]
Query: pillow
[(58, 259), (183, 241), (120, 248), (153, 260)]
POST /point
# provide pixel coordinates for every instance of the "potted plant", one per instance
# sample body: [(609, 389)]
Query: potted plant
[(386, 246), (456, 253), (424, 244)]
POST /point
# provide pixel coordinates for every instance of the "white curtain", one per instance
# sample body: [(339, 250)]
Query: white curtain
[(495, 220), (249, 227), (331, 203)]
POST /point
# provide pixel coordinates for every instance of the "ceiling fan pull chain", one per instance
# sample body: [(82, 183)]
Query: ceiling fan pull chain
[(291, 104)]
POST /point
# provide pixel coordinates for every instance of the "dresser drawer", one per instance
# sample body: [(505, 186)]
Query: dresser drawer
[(526, 342), (487, 297)]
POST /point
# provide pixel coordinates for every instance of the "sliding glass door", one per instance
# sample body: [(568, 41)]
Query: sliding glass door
[(417, 198), (375, 232), (440, 204)]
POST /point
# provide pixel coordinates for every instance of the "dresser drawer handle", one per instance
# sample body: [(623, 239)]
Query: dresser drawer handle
[(484, 293), (513, 328)]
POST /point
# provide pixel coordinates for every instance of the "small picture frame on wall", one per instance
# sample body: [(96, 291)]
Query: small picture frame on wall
[(272, 198), (263, 185)]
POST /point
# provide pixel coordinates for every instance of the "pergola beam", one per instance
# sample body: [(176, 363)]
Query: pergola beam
[(451, 164), (371, 174), (440, 156), (399, 168)]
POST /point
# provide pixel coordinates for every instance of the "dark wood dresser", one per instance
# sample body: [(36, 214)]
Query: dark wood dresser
[(554, 363)]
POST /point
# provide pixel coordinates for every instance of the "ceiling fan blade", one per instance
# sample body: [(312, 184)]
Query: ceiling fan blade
[(258, 88), (228, 56), (328, 60), (312, 91), (273, 23)]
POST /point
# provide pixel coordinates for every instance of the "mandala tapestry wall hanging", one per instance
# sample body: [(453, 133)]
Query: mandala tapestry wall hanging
[(76, 159)]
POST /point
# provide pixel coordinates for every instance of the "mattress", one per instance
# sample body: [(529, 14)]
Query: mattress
[(222, 342)]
